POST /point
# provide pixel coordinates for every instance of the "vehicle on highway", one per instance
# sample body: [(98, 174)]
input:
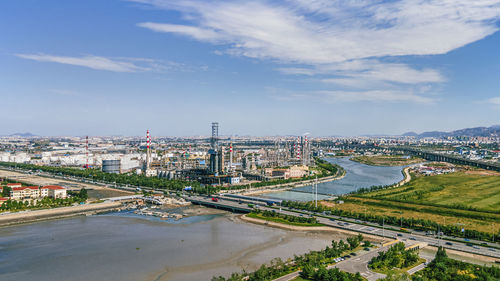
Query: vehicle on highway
[(215, 199), (413, 238), (476, 247), (449, 243), (399, 234), (469, 244)]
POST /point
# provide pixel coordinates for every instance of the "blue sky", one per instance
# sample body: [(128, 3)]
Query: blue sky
[(257, 67)]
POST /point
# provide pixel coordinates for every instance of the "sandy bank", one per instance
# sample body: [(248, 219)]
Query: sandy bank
[(309, 228)]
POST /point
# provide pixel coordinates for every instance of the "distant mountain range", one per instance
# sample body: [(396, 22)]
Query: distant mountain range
[(24, 135), (469, 132)]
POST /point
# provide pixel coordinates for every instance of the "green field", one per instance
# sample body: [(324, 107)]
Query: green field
[(461, 189), (387, 160), (281, 220)]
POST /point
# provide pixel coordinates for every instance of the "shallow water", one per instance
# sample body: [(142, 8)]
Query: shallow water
[(124, 246), (357, 176)]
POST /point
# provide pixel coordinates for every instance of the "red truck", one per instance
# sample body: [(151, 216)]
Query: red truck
[(215, 199)]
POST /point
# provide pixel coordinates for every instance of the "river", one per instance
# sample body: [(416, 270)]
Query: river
[(357, 176), (124, 246)]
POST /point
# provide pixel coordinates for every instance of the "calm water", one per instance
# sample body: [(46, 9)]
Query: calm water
[(124, 246), (357, 176)]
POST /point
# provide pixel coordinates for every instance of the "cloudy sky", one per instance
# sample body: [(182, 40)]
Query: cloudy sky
[(257, 67)]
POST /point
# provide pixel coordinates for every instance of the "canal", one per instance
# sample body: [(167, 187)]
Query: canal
[(357, 176)]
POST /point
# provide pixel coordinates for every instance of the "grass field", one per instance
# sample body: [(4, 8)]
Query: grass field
[(281, 220), (469, 198), (387, 160), (470, 189)]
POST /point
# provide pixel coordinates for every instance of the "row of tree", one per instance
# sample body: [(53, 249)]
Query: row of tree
[(425, 208), (123, 179), (326, 169), (324, 274), (46, 202), (289, 218), (310, 262), (395, 257), (418, 224), (445, 269)]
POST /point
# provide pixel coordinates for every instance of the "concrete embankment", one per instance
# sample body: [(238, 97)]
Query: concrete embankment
[(372, 238), (56, 213)]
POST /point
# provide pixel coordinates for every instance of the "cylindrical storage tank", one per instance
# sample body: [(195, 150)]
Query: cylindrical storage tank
[(111, 166)]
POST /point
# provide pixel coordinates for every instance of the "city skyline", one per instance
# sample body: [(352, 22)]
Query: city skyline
[(256, 67)]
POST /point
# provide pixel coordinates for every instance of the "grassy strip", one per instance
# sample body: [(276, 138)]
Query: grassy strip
[(399, 270), (442, 210), (386, 160), (459, 190), (281, 220)]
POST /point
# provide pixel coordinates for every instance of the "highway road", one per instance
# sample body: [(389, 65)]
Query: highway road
[(335, 221), (360, 227), (360, 264)]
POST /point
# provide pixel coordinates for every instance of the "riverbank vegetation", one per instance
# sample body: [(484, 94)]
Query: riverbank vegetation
[(387, 160), (395, 259), (323, 169), (282, 218), (44, 203), (445, 269), (399, 217), (463, 204), (309, 263), (470, 190)]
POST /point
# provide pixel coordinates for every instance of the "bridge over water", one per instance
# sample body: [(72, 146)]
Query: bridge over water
[(433, 156)]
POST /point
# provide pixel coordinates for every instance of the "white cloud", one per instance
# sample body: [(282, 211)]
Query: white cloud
[(495, 101), (346, 43), (369, 71), (335, 31), (94, 62), (374, 96), (195, 32)]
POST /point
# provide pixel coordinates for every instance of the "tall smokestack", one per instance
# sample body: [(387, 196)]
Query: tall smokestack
[(298, 148), (148, 150), (87, 152), (230, 156)]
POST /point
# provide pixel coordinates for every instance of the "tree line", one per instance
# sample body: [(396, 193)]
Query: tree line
[(45, 202), (445, 269), (309, 262), (289, 218), (414, 223), (395, 257)]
